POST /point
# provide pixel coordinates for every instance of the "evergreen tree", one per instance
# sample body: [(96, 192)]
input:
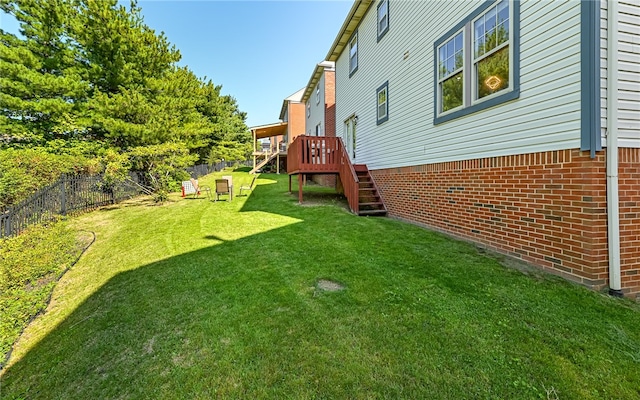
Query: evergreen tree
[(42, 91)]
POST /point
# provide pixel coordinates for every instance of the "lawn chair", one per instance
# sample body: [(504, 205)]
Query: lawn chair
[(229, 178), (222, 188), (248, 188), (192, 187)]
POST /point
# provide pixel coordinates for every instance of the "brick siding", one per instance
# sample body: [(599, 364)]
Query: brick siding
[(548, 209)]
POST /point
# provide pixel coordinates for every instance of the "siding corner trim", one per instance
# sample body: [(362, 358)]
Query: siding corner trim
[(590, 77)]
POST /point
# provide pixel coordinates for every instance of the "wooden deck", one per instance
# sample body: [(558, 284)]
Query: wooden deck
[(323, 155)]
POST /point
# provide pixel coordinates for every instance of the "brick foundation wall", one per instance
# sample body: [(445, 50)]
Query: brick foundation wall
[(324, 180), (548, 209), (629, 191)]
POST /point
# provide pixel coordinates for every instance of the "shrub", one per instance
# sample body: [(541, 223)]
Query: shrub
[(30, 265)]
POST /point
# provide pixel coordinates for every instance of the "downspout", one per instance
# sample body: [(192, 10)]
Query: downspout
[(613, 201)]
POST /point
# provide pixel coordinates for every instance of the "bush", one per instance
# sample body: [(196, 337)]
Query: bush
[(24, 171), (30, 266)]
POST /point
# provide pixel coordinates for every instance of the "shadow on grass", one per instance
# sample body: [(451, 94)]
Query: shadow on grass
[(244, 319)]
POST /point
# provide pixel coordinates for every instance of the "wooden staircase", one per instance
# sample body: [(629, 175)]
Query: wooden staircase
[(308, 155), (369, 201), (264, 162)]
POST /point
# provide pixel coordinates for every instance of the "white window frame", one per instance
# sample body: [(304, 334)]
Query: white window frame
[(385, 16), (461, 69), (383, 88), (476, 60), (318, 94), (353, 54)]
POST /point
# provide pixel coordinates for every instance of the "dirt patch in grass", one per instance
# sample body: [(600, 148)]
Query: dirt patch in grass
[(329, 286)]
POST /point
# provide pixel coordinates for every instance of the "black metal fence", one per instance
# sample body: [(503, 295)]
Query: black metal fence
[(72, 195), (203, 169), (69, 195)]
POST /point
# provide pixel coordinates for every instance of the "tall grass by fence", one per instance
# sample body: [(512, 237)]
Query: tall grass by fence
[(72, 195)]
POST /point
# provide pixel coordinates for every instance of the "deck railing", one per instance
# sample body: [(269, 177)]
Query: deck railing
[(324, 155)]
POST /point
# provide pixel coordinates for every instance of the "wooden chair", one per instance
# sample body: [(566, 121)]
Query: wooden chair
[(222, 188), (248, 188)]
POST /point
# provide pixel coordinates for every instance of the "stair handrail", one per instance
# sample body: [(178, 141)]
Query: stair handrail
[(349, 178)]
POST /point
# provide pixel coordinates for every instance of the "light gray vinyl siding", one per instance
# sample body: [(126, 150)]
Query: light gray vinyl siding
[(628, 72), (545, 117), (317, 110)]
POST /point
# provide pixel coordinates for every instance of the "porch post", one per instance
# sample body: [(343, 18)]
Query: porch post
[(254, 147)]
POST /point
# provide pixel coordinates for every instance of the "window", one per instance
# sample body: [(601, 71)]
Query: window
[(491, 51), (450, 79), (308, 109), (477, 62), (353, 54), (383, 18), (319, 130), (382, 96), (318, 94)]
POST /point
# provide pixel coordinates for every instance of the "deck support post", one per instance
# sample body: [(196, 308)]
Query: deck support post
[(289, 183), (300, 188)]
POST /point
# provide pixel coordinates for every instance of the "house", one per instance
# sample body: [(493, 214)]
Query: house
[(292, 113), (319, 98), (511, 124), (279, 134)]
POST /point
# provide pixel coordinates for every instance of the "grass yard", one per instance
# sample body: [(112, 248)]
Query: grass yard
[(199, 300)]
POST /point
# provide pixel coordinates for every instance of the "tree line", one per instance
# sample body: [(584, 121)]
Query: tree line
[(87, 86)]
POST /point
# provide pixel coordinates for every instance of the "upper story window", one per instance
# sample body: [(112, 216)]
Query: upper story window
[(318, 94), (382, 110), (491, 50), (353, 53), (383, 18), (450, 73), (477, 62), (308, 109)]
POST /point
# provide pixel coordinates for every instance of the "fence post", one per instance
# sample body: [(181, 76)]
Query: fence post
[(7, 222), (63, 195)]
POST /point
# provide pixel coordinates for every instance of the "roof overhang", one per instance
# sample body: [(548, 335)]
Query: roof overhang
[(265, 131), (315, 78), (349, 26)]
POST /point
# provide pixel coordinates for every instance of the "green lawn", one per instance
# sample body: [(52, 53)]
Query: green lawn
[(197, 300)]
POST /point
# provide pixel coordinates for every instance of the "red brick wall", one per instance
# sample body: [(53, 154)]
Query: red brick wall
[(330, 103), (629, 187), (296, 121), (548, 209)]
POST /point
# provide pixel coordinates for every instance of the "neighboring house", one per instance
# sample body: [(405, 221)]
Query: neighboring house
[(280, 134), (319, 98), (293, 114), (499, 122)]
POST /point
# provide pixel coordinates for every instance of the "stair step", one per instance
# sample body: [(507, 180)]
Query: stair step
[(371, 204), (372, 212)]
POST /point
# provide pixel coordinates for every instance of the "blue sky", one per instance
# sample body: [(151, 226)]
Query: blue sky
[(259, 51)]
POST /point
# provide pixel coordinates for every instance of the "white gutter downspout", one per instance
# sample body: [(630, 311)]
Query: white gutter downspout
[(613, 211)]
